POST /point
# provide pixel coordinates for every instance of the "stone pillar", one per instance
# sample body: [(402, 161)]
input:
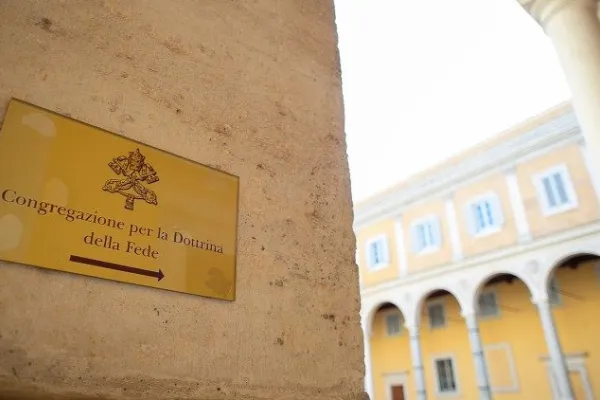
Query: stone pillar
[(559, 366), (574, 29), (483, 382), (206, 81), (417, 362), (368, 362)]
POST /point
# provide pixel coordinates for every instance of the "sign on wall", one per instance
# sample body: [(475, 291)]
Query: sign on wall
[(79, 199)]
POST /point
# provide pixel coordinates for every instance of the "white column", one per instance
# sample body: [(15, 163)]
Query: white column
[(483, 382), (574, 29), (402, 259), (594, 175), (559, 365), (417, 362), (516, 202), (453, 229), (368, 362)]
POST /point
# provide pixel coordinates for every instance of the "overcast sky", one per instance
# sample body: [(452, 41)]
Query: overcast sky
[(424, 80)]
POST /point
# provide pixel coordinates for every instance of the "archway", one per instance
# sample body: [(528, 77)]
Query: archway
[(390, 353), (512, 337), (446, 353), (573, 287)]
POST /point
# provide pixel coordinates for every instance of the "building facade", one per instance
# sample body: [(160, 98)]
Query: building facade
[(479, 277)]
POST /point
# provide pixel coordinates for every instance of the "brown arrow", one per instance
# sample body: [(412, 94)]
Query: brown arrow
[(118, 267)]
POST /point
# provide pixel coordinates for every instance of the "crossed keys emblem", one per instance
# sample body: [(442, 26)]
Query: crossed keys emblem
[(135, 171)]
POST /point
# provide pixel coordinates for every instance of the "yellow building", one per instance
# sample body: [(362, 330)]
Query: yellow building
[(479, 277)]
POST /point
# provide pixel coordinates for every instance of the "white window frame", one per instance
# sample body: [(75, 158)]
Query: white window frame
[(386, 261), (497, 211), (563, 171), (436, 233), (442, 303), (396, 379), (493, 292), (445, 356), (399, 315)]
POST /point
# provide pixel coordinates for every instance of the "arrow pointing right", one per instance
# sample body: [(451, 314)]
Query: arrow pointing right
[(159, 275)]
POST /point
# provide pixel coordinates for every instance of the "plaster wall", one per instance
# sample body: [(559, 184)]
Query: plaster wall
[(252, 88)]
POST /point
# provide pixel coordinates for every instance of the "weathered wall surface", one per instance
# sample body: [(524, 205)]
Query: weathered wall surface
[(251, 87)]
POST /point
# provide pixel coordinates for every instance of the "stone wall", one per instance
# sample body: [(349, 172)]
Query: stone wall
[(252, 88)]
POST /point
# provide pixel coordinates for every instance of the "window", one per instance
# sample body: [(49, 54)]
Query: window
[(446, 379), (426, 235), (393, 323), (437, 315), (555, 190), (488, 306), (554, 292), (377, 253), (485, 215)]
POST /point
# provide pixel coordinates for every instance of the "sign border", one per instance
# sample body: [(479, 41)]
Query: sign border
[(237, 211)]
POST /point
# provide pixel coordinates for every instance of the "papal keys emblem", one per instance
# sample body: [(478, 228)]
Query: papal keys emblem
[(136, 171)]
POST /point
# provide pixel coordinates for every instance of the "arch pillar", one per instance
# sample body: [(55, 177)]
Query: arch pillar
[(412, 322), (417, 361), (481, 372), (559, 365)]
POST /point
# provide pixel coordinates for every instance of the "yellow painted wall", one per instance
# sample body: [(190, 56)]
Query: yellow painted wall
[(587, 209), (450, 340), (577, 317), (417, 262), (507, 236), (392, 355), (517, 327), (369, 277)]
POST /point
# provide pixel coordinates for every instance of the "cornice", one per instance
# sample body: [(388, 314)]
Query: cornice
[(563, 129), (398, 284)]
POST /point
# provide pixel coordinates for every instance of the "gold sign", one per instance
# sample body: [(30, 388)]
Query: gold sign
[(80, 199)]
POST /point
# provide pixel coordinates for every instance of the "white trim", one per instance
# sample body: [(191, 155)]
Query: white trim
[(561, 131), (453, 229), (563, 171), (436, 231), (395, 379), (499, 256), (386, 262), (436, 302), (590, 170), (575, 363), (445, 356), (511, 366), (495, 203), (401, 247), (516, 202)]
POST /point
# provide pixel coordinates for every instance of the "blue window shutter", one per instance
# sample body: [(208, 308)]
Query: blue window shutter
[(560, 188), (371, 253), (549, 191)]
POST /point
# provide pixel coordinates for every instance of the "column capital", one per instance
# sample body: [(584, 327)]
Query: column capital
[(543, 10), (541, 301)]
